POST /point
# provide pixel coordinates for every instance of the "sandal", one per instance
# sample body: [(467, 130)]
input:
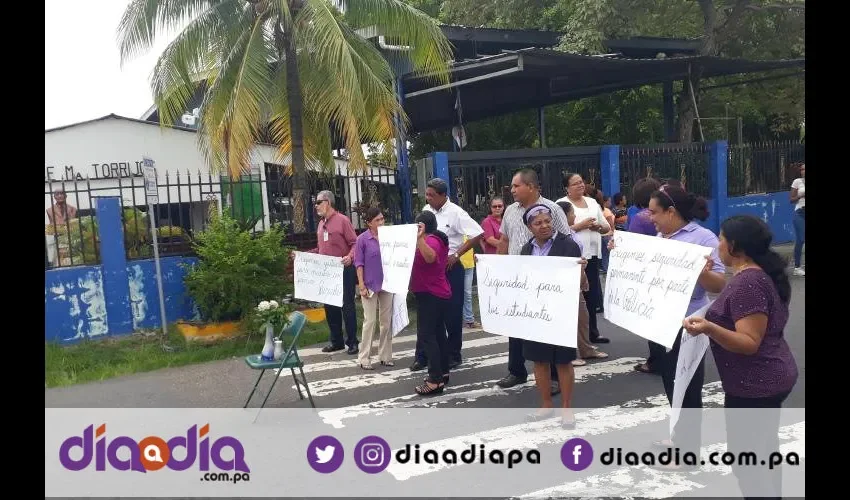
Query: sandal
[(642, 368), (445, 379), (426, 390), (598, 355), (387, 363), (367, 367)]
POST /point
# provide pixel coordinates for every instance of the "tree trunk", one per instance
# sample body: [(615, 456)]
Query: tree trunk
[(296, 108), (685, 105)]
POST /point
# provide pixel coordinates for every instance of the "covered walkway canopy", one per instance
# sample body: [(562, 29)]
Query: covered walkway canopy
[(533, 78)]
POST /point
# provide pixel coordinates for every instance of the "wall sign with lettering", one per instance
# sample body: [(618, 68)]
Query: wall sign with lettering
[(93, 171)]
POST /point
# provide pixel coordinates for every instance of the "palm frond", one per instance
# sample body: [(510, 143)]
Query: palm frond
[(430, 51), (233, 105), (193, 57), (144, 20)]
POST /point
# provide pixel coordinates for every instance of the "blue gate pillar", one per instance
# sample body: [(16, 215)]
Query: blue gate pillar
[(718, 156), (405, 186), (113, 259), (609, 163), (441, 170)]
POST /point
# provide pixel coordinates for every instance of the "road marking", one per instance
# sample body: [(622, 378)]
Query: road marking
[(351, 361), (536, 434), (470, 392), (401, 339), (642, 481)]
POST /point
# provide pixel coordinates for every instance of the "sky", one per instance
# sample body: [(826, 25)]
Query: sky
[(83, 78)]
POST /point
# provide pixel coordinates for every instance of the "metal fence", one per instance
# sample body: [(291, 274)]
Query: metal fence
[(687, 163), (766, 167), (185, 203), (478, 176)]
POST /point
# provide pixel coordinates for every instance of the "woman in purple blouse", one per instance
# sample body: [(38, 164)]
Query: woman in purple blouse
[(746, 327), (377, 303)]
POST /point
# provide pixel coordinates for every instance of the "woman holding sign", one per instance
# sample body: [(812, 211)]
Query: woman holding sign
[(377, 303), (430, 286), (549, 243), (673, 211), (745, 326)]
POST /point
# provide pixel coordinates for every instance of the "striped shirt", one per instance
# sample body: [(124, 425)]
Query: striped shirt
[(518, 233)]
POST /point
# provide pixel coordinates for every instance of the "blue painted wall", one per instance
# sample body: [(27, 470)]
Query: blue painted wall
[(773, 208), (75, 299)]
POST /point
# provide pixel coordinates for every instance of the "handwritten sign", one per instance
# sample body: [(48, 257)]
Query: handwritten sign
[(691, 350), (532, 298), (398, 247), (649, 284), (400, 318), (318, 278)]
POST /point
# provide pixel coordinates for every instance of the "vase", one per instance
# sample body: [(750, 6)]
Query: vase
[(268, 348), (278, 350)]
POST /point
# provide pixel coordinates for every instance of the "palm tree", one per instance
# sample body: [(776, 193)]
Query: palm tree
[(294, 72)]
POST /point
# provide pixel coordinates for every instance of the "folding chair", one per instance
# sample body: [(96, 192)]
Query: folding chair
[(290, 359)]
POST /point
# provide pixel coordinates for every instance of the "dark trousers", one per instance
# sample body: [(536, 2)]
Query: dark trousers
[(656, 352), (516, 361), (453, 323), (687, 435), (336, 315), (593, 297), (431, 335), (756, 431), (799, 236)]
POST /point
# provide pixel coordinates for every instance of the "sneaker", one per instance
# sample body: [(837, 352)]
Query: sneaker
[(798, 271)]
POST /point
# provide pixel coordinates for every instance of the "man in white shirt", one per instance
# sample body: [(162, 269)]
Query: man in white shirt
[(455, 223)]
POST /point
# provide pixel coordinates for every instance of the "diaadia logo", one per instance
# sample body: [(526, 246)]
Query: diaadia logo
[(153, 453)]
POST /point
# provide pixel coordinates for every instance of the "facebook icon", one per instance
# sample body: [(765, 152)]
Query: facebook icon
[(576, 454)]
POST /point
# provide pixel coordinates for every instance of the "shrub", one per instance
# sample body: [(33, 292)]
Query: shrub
[(236, 270)]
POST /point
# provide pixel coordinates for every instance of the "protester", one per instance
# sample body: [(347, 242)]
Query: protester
[(455, 223), (745, 325), (377, 303), (61, 212), (621, 217), (586, 350), (673, 211), (798, 197), (589, 228), (337, 238), (491, 225), (430, 286), (641, 223), (525, 188), (605, 203), (467, 260), (547, 242)]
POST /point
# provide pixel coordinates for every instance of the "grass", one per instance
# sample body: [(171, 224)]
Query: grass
[(94, 360)]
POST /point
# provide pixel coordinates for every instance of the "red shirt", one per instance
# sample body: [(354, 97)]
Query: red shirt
[(431, 278), (491, 226), (336, 236)]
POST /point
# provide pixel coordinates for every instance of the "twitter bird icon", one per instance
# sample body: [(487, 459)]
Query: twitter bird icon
[(325, 454)]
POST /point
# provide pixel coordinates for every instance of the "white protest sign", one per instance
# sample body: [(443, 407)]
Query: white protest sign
[(691, 350), (318, 278), (398, 247), (649, 284), (530, 297), (400, 319)]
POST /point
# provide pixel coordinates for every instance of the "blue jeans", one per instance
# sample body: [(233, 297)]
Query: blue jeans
[(800, 232), (468, 315)]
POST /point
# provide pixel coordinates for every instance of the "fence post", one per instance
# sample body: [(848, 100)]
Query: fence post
[(441, 170), (116, 288), (718, 156), (609, 163), (403, 164)]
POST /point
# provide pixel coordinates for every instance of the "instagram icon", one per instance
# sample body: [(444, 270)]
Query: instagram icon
[(372, 454)]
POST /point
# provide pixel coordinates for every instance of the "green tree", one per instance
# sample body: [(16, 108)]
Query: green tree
[(295, 71)]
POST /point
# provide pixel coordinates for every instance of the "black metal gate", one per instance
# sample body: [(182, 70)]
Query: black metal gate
[(478, 176)]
